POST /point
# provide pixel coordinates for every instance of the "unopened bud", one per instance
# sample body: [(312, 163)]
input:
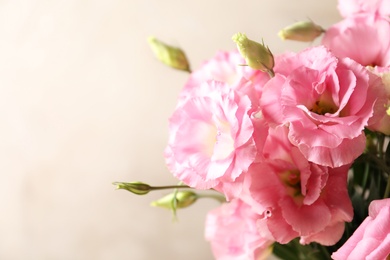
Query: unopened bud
[(305, 31), (176, 200), (169, 55), (136, 187), (257, 55)]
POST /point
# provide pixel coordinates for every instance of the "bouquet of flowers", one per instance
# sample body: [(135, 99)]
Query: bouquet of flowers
[(295, 146)]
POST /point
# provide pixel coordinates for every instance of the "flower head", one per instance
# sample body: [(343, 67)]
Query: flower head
[(326, 103), (211, 136), (297, 198)]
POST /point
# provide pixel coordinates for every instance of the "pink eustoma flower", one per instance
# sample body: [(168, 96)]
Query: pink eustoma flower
[(372, 238), (212, 138), (364, 38), (326, 102), (297, 198), (352, 7), (232, 232)]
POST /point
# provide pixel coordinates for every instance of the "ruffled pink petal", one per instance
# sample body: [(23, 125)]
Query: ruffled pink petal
[(276, 227), (305, 219), (270, 100), (345, 153), (327, 237), (264, 186), (336, 195), (315, 184), (303, 134)]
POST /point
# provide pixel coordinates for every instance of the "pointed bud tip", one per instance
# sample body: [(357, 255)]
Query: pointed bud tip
[(137, 187)]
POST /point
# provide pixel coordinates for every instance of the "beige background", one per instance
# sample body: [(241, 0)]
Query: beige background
[(84, 103)]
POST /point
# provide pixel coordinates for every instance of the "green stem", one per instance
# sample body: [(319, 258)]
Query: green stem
[(169, 187), (381, 142), (365, 177), (217, 197)]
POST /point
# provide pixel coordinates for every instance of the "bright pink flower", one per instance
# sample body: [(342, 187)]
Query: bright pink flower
[(212, 139), (325, 102), (226, 67), (352, 7), (372, 238), (232, 232), (297, 198), (363, 38)]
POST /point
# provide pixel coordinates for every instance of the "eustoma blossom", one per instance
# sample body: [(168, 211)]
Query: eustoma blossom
[(297, 198), (232, 232), (326, 103), (211, 136)]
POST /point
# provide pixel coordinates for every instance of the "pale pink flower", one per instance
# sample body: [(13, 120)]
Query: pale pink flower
[(364, 38), (372, 238), (297, 198), (212, 139), (352, 7), (325, 102), (232, 232)]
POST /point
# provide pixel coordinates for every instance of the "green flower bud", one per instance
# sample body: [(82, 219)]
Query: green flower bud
[(183, 200), (305, 31), (257, 55), (136, 187), (169, 55)]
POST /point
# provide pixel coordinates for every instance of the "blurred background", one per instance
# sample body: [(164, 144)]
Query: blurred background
[(84, 103)]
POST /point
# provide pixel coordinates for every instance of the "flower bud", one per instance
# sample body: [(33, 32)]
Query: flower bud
[(136, 187), (183, 200), (305, 31), (169, 55), (257, 55)]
